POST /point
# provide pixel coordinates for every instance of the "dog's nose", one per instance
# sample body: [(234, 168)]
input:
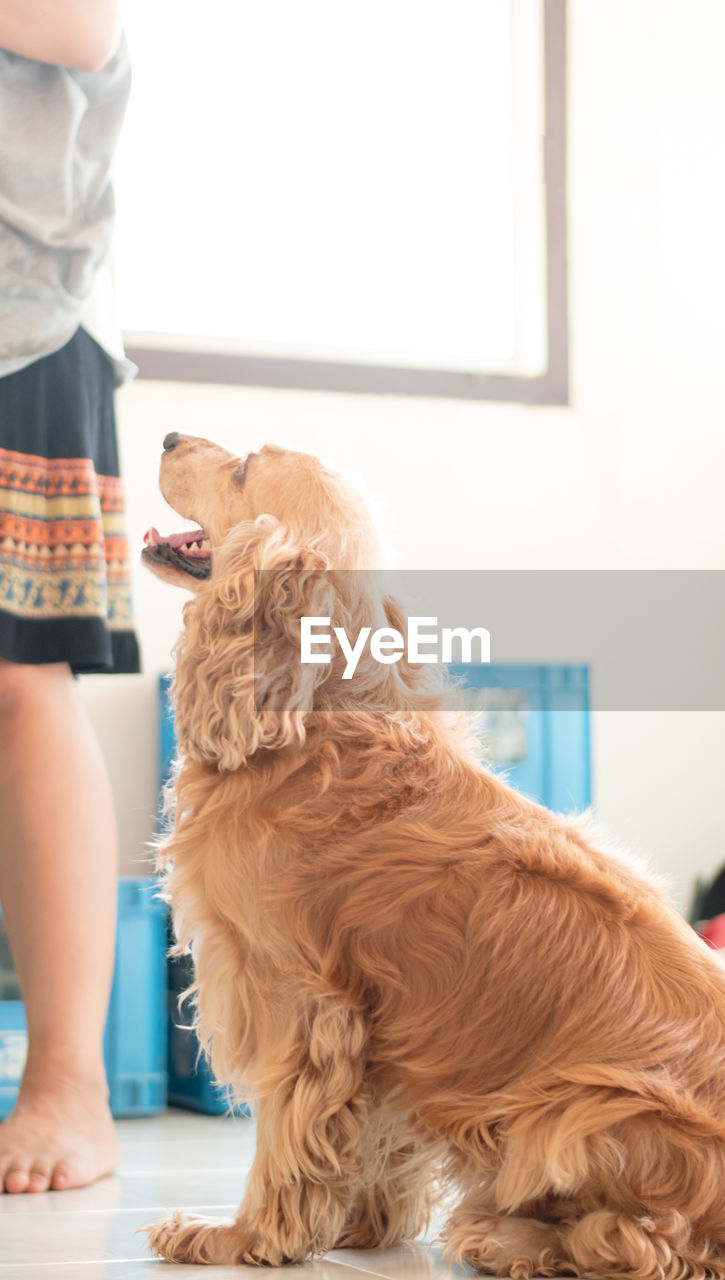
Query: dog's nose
[(171, 441)]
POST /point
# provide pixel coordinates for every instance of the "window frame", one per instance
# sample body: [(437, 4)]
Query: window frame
[(186, 362)]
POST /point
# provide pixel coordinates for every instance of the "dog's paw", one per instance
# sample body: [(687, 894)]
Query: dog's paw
[(186, 1237)]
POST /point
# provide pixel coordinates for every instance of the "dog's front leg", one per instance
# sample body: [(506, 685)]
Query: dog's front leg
[(396, 1205), (309, 1162)]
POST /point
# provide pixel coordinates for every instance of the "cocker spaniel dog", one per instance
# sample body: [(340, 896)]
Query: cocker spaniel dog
[(429, 985)]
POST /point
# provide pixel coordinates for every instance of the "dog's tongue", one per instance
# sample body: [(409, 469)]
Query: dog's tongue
[(176, 540)]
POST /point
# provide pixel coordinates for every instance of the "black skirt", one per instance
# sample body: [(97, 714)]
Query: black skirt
[(65, 585)]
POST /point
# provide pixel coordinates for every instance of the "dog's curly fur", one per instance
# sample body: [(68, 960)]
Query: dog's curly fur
[(429, 985)]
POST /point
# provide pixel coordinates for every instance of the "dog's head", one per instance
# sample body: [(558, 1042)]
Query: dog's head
[(279, 494), (281, 537)]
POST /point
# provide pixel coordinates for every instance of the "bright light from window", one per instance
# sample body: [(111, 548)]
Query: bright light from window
[(335, 179)]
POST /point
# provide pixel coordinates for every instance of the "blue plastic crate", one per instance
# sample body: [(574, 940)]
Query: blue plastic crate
[(191, 1083), (167, 734), (535, 723), (13, 1047), (134, 1042), (551, 704)]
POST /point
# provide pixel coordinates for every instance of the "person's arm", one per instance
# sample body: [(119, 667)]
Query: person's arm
[(68, 33)]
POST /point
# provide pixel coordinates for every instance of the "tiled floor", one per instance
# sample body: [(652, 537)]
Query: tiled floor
[(180, 1161)]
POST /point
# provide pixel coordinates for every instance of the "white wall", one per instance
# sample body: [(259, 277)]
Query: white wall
[(631, 475)]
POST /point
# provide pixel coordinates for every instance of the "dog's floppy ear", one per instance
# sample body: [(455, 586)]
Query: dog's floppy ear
[(240, 685)]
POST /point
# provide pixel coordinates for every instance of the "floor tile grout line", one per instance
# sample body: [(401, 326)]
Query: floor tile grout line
[(231, 1207), (104, 1262), (354, 1266), (73, 1262), (164, 1172), (423, 1245), (139, 1206)]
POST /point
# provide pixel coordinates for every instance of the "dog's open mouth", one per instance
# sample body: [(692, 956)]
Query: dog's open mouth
[(190, 551)]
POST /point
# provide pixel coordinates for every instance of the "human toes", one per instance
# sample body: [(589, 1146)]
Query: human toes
[(16, 1177), (39, 1175), (65, 1176)]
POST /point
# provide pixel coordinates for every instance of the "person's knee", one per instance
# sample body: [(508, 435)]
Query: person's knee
[(23, 684)]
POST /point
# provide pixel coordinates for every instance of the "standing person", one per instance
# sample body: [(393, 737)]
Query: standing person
[(64, 581)]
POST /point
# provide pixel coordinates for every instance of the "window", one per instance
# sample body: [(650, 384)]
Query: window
[(346, 195)]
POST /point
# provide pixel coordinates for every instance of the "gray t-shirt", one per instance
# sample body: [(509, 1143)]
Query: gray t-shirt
[(58, 133)]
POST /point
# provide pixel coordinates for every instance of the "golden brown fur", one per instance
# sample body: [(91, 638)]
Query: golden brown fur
[(427, 983)]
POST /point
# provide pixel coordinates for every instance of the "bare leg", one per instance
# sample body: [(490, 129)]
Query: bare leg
[(58, 875)]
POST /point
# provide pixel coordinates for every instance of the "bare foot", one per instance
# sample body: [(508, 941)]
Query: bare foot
[(60, 1135)]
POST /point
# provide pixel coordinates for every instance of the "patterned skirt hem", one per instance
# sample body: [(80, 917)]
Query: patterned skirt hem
[(86, 644), (65, 579)]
